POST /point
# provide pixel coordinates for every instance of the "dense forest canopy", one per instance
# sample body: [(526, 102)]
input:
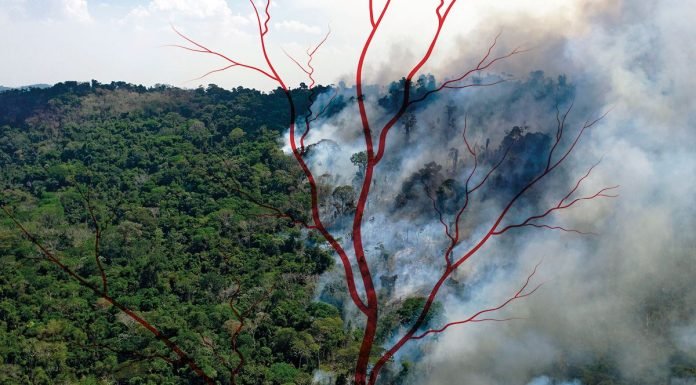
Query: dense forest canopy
[(177, 180), (161, 167)]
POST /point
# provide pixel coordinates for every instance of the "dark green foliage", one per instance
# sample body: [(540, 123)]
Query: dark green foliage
[(411, 308), (163, 168)]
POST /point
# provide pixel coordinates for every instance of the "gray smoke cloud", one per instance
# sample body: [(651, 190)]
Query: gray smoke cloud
[(621, 304), (626, 298)]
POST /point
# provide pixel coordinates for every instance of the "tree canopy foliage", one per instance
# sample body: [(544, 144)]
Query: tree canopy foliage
[(172, 176)]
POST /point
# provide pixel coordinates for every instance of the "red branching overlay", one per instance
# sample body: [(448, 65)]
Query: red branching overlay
[(375, 148), (521, 293), (367, 372)]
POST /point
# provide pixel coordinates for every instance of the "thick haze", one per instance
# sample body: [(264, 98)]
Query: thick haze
[(625, 297)]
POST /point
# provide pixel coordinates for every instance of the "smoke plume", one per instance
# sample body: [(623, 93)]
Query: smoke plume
[(618, 305)]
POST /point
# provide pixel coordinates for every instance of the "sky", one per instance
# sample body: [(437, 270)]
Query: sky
[(48, 41)]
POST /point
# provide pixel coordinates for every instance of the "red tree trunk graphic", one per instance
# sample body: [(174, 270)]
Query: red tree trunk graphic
[(375, 145), (360, 284)]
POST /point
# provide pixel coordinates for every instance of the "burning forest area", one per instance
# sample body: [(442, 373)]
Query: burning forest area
[(367, 193)]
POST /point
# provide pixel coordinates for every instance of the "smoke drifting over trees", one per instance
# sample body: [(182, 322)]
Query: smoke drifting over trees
[(620, 302)]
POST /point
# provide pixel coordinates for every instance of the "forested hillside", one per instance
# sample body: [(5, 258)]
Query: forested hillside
[(175, 179), (177, 205)]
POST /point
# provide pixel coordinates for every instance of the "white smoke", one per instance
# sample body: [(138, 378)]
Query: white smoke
[(626, 298), (620, 303)]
